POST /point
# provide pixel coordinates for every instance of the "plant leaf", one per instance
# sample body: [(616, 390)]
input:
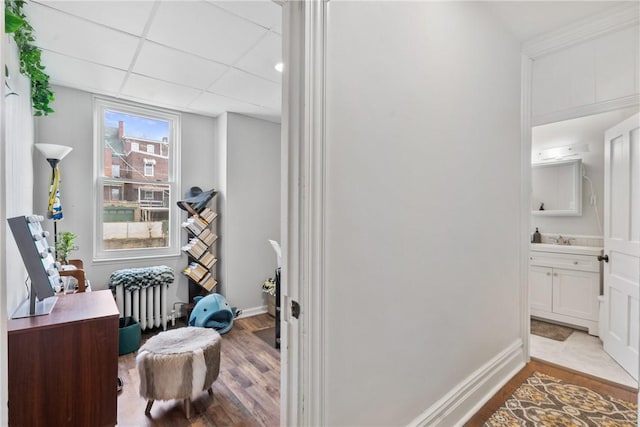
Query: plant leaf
[(12, 23)]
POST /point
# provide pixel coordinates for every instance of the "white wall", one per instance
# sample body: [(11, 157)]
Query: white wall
[(72, 124), (15, 192), (422, 205), (586, 130), (18, 172), (16, 181), (221, 205), (252, 208)]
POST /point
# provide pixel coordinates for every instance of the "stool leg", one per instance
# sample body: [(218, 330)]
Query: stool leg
[(210, 391), (187, 407), (147, 411)]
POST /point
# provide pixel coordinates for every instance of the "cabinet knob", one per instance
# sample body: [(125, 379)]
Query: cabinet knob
[(555, 274), (575, 262), (548, 274)]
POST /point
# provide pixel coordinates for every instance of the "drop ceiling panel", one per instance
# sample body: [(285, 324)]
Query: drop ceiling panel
[(263, 12), (84, 75), (171, 65), (262, 58), (158, 92), (246, 87), (263, 113), (65, 34), (129, 16), (205, 30), (212, 104)]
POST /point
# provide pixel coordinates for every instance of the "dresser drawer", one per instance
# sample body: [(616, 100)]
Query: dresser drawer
[(566, 261)]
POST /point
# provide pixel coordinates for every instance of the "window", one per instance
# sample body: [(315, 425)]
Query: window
[(138, 188), (149, 167)]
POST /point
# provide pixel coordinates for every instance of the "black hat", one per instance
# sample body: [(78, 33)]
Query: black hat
[(197, 198), (193, 192)]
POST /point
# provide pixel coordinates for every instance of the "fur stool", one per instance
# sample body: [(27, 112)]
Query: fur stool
[(178, 364)]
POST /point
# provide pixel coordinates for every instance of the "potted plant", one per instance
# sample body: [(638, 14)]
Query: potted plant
[(64, 245)]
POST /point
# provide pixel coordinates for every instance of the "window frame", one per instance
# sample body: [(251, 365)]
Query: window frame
[(116, 190), (100, 106), (152, 169)]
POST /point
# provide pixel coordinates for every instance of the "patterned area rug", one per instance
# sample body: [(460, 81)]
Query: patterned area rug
[(550, 330), (543, 400)]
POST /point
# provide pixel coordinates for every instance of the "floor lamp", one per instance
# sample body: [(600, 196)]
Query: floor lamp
[(54, 153)]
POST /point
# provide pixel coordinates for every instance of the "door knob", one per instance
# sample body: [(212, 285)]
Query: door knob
[(604, 258)]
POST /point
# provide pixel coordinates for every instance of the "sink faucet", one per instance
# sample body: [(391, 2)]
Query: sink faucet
[(562, 241)]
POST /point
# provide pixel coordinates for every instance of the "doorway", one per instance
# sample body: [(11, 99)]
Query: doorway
[(565, 275)]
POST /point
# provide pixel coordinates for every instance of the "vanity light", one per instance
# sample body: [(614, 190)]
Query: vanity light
[(563, 152), (279, 67)]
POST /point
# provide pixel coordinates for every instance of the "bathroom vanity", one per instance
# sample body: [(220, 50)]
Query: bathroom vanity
[(564, 284)]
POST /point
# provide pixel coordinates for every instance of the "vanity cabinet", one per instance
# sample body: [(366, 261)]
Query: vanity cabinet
[(564, 287)]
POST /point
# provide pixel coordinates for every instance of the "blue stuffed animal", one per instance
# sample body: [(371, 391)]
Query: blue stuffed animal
[(212, 311)]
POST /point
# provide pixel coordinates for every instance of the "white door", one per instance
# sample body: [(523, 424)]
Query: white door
[(620, 332)]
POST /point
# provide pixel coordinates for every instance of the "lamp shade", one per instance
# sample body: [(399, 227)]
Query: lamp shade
[(54, 151)]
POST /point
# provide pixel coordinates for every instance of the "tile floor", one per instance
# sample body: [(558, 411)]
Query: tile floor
[(581, 352)]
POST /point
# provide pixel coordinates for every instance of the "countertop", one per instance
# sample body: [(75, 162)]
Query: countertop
[(566, 249)]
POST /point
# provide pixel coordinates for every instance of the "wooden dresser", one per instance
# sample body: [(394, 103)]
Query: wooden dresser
[(63, 367)]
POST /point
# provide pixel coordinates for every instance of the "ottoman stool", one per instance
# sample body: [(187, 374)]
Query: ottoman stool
[(178, 364)]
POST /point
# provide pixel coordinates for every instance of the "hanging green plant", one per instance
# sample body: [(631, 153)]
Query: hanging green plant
[(15, 22)]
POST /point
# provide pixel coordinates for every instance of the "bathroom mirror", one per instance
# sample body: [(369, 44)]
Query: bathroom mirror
[(557, 188)]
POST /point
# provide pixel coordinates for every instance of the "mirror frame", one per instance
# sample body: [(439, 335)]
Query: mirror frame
[(577, 187)]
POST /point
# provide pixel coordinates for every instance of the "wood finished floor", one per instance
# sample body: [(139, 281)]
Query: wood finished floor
[(596, 384), (246, 393)]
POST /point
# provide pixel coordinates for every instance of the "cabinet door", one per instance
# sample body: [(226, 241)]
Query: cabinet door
[(540, 288), (575, 293)]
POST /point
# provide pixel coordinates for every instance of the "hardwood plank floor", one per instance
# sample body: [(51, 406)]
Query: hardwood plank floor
[(246, 393), (596, 384)]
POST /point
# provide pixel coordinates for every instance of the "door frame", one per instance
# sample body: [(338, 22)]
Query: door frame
[(303, 206), (4, 392), (611, 21)]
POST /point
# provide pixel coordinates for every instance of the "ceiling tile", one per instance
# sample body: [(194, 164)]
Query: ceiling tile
[(84, 75), (246, 87), (265, 114), (205, 30), (62, 33), (129, 16), (178, 67), (158, 92), (263, 12), (263, 57), (212, 104)]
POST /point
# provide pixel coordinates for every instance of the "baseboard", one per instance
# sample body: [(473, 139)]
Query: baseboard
[(467, 398), (253, 311)]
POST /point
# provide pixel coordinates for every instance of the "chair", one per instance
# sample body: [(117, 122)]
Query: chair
[(77, 273), (178, 364)]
